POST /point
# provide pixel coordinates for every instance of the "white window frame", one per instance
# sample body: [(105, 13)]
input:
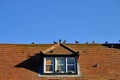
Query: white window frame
[(71, 64), (59, 64), (54, 59), (46, 64)]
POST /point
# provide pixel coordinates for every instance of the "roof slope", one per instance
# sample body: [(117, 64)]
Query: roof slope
[(14, 54)]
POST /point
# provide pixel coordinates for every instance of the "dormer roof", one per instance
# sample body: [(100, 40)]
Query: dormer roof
[(60, 49)]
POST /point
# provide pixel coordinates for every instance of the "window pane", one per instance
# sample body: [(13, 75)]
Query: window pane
[(49, 61), (71, 63), (49, 68), (60, 60), (60, 68), (60, 65), (70, 60), (71, 69), (48, 64)]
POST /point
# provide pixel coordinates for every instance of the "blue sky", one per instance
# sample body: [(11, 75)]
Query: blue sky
[(45, 21)]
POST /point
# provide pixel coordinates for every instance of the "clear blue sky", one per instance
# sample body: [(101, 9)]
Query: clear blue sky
[(45, 21)]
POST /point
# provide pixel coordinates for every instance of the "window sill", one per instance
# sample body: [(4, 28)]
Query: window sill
[(59, 73), (65, 75)]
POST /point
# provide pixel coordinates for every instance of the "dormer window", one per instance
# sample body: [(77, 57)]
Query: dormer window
[(60, 65), (62, 61)]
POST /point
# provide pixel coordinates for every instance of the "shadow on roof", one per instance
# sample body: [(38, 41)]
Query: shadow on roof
[(117, 46), (34, 63)]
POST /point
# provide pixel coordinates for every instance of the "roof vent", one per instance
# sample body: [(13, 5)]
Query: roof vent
[(96, 65)]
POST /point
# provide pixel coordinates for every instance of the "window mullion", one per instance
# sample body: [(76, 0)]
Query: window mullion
[(44, 65), (75, 64), (55, 66), (66, 64)]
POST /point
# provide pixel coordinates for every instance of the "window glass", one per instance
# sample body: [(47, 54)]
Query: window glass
[(49, 68), (70, 60), (49, 61), (60, 64), (60, 68), (71, 65), (71, 68), (60, 60), (48, 65)]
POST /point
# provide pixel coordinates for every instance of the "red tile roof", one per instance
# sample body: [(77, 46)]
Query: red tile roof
[(16, 63)]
